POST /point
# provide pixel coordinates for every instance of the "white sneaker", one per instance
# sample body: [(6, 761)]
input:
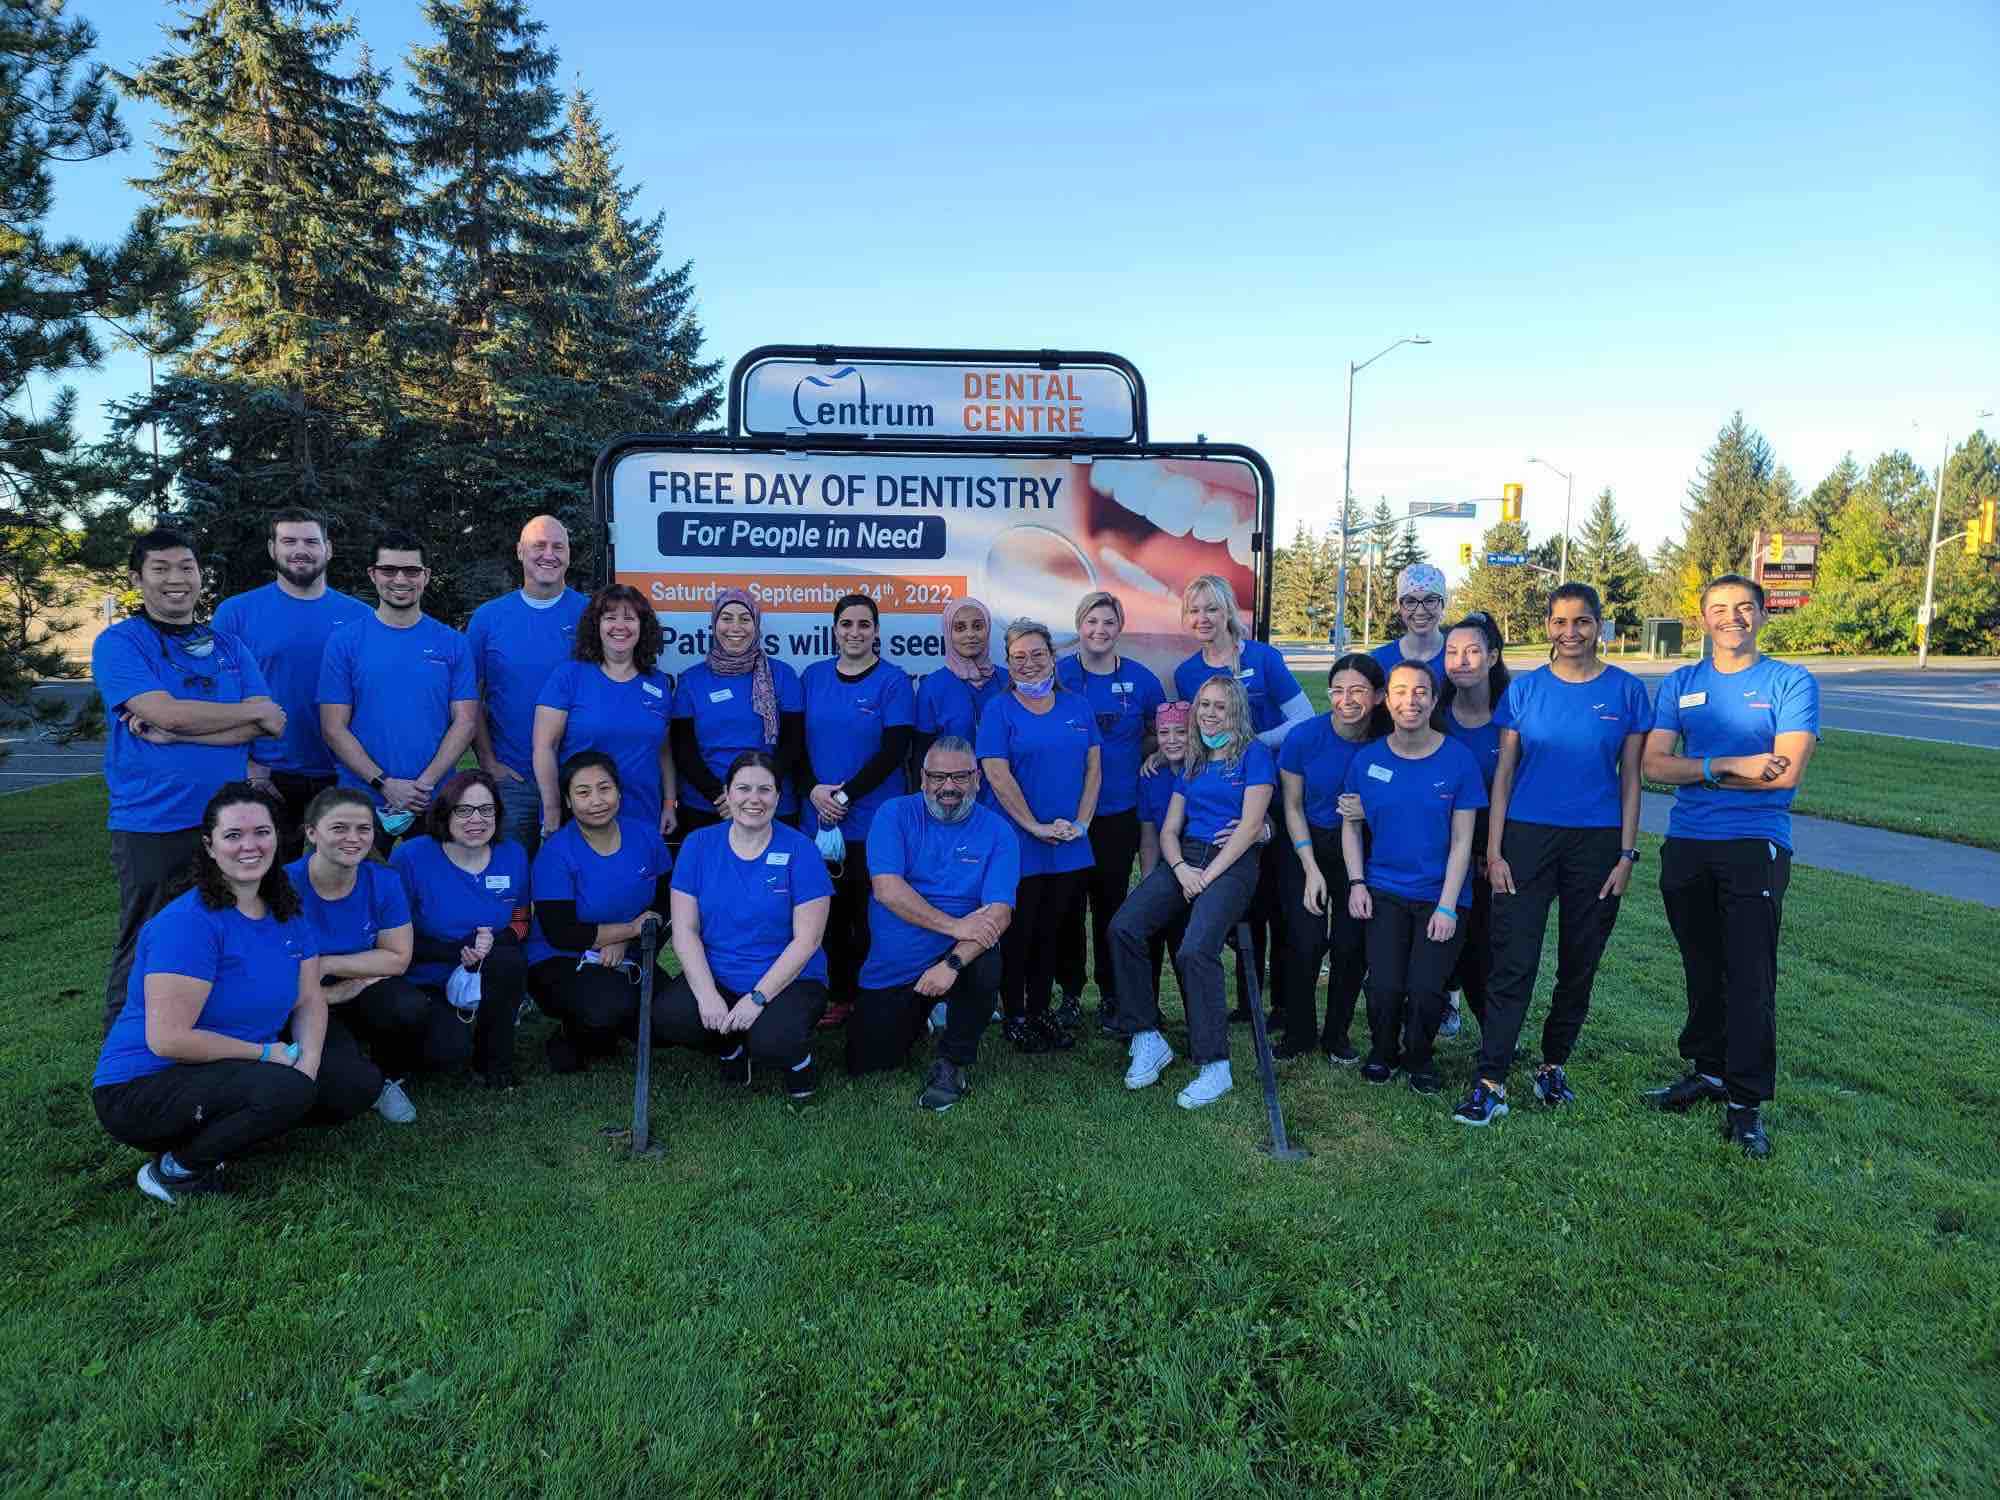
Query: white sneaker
[(1210, 1084), (1150, 1056), (393, 1105)]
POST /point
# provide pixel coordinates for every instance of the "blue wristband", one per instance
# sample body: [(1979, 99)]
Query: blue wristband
[(1302, 843), (264, 1053), (1448, 911), (1707, 770)]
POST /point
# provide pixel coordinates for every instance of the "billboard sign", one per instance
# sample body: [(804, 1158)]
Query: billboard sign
[(1000, 395), (1027, 534)]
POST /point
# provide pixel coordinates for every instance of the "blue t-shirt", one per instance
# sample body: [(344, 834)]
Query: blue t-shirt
[(1123, 700), (1156, 790), (1214, 798), (956, 867), (447, 904), (1389, 653), (1049, 756), (400, 686), (626, 720), (252, 968), (1316, 752), (1571, 735), (163, 788), (377, 903), (605, 887), (288, 637), (726, 722), (948, 704), (1735, 713), (746, 904), (845, 718), (1483, 742), (1409, 806), (515, 645), (1267, 682)]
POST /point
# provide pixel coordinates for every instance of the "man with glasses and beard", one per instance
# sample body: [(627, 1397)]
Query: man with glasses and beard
[(398, 697), (286, 624), (183, 702), (942, 874)]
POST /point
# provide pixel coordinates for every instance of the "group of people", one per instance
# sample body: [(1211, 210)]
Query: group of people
[(844, 847)]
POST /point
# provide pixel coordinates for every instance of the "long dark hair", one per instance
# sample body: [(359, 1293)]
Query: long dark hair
[(590, 645), (437, 821), (576, 765), (206, 876), (1497, 676), (1370, 669)]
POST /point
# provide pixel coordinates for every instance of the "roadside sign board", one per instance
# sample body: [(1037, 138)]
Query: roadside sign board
[(1506, 559), (1458, 510), (1786, 563)]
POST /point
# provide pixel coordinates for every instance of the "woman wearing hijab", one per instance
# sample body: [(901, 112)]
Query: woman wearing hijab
[(1420, 601), (952, 698), (737, 699)]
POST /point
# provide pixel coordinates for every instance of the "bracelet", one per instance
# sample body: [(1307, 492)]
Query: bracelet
[(1707, 770), (1302, 843), (264, 1053), (1448, 911)]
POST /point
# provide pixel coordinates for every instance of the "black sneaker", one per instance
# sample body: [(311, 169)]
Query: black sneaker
[(1024, 1037), (1285, 1049), (1482, 1106), (1423, 1083), (1683, 1094), (943, 1088), (1068, 1011), (802, 1083), (1742, 1127), (155, 1181), (1552, 1086), (1341, 1055), (1375, 1072), (1240, 1016), (1058, 1040), (1107, 1021), (735, 1071)]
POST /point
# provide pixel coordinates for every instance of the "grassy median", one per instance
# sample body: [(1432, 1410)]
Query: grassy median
[(1056, 1288)]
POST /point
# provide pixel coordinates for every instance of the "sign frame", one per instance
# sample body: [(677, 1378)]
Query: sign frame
[(1024, 359)]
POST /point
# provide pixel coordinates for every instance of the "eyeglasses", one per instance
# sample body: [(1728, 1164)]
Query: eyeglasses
[(1028, 658), (411, 571), (467, 812), (1426, 601), (954, 778)]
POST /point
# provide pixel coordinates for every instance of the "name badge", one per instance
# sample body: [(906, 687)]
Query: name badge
[(1381, 773), (1693, 700), (778, 857), (650, 688), (1123, 687), (722, 695), (1246, 674), (499, 882)]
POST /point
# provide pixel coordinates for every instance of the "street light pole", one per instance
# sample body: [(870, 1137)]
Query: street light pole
[(1930, 566), (1347, 491), (1569, 504)]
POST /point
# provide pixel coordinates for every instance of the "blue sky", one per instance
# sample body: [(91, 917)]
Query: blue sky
[(1616, 228)]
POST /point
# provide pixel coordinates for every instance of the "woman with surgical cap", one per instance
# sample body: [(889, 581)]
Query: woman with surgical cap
[(1420, 595)]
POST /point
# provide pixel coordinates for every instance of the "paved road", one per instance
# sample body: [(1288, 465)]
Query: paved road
[(33, 761)]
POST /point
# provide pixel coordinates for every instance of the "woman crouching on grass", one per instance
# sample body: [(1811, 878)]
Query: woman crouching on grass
[(1206, 877), (222, 1041), (1419, 791)]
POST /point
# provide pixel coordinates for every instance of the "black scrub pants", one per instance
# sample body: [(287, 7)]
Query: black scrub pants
[(1308, 939), (502, 986), (595, 1005), (1267, 929), (1474, 974), (406, 1028), (1029, 947), (1565, 867), (1114, 846), (1406, 980), (296, 791), (152, 869), (846, 940), (1158, 905), (781, 1037), (1725, 901), (887, 1022)]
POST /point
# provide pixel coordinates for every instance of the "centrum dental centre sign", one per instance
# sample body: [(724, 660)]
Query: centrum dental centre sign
[(778, 396)]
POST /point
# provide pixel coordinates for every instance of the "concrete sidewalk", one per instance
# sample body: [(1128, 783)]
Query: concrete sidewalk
[(1956, 870)]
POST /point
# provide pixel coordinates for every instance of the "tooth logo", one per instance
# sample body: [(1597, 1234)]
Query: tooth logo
[(841, 400)]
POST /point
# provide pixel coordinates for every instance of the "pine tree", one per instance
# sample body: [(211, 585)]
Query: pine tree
[(1903, 493), (1727, 500), (1291, 582), (1604, 556), (1513, 595), (1672, 590), (1408, 549), (1829, 497)]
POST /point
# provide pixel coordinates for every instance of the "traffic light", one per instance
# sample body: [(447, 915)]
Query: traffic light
[(1774, 552), (1989, 521), (1510, 502), (1465, 554)]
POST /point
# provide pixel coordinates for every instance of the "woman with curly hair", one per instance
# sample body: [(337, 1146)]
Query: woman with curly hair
[(610, 697), (223, 1039)]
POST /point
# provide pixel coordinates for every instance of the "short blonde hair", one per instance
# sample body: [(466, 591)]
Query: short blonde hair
[(1217, 587), (1028, 627), (1102, 599)]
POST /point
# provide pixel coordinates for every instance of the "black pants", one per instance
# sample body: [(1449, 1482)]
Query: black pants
[(1158, 905), (595, 1005), (1565, 867), (1474, 973), (406, 1028), (152, 869), (846, 940), (1307, 939), (1725, 901), (1114, 845), (296, 792), (1406, 979), (886, 1023), (503, 983), (782, 1036), (1267, 927), (1029, 947), (208, 1112)]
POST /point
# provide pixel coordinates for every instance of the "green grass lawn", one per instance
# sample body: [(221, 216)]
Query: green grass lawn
[(1056, 1288)]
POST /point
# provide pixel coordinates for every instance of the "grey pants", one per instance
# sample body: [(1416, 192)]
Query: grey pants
[(152, 870), (1154, 906)]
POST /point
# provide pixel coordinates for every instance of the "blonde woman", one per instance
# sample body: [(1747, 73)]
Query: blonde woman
[(1206, 876)]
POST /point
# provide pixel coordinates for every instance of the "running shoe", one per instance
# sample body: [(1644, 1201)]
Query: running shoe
[(1210, 1084), (1150, 1056), (1482, 1106), (1552, 1086)]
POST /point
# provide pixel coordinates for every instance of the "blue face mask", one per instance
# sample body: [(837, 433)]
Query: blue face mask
[(1216, 741), (394, 822), (1041, 689), (832, 844)]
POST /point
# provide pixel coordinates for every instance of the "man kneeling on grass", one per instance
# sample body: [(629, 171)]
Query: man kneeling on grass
[(943, 872)]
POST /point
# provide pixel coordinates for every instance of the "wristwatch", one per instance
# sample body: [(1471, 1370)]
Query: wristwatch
[(954, 963), (1631, 854), (375, 781), (759, 999)]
